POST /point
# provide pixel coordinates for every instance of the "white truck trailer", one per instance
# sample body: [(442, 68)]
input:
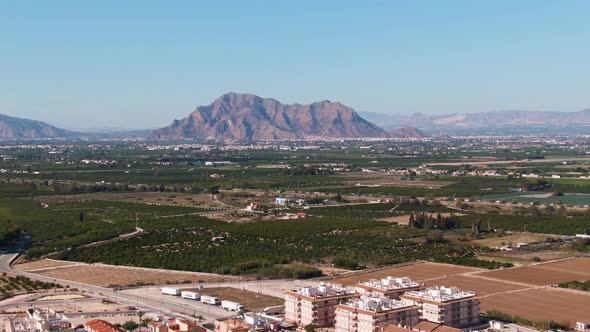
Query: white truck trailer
[(209, 300), (170, 291), (233, 306), (190, 295)]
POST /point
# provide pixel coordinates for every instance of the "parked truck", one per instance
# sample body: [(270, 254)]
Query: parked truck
[(278, 309), (209, 300), (233, 306), (170, 291), (190, 295)]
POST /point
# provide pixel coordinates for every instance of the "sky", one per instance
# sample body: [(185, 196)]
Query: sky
[(142, 63)]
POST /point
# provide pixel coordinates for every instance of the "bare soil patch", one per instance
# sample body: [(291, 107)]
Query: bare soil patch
[(542, 304), (42, 264), (118, 276), (417, 271), (481, 287), (545, 274), (251, 300), (512, 238)]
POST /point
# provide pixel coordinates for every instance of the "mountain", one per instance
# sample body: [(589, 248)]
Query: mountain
[(246, 117), (407, 132), (17, 128), (495, 122)]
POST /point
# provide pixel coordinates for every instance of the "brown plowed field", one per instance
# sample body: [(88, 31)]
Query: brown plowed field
[(110, 276), (418, 272), (42, 264), (542, 304), (481, 287), (546, 274)]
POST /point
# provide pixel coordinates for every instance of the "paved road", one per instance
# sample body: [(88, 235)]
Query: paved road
[(148, 302)]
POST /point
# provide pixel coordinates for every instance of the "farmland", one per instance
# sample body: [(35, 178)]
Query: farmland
[(541, 304), (419, 272), (546, 273), (102, 275), (520, 291), (11, 285), (250, 300), (158, 213)]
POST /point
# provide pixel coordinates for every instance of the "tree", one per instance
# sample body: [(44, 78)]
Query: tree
[(130, 325), (309, 328), (435, 236), (213, 189)]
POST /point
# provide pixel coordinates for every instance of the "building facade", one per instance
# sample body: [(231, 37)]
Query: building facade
[(446, 305), (315, 305), (390, 287), (374, 314)]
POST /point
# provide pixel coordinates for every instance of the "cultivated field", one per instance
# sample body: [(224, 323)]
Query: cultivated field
[(118, 276), (542, 304), (512, 238), (482, 287), (156, 198), (42, 265), (250, 300), (545, 274), (405, 219), (380, 180), (418, 272)]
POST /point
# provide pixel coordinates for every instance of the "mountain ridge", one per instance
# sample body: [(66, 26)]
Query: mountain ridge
[(247, 117), (20, 128)]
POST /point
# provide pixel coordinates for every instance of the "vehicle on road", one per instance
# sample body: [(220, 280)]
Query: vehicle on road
[(170, 291), (190, 295), (210, 300), (232, 306)]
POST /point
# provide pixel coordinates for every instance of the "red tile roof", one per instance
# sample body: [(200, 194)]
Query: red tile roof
[(98, 325)]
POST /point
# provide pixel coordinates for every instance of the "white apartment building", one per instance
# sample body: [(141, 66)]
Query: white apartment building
[(390, 287), (369, 314), (446, 305), (315, 305)]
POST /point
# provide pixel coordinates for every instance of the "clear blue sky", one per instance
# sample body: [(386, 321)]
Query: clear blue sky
[(143, 63)]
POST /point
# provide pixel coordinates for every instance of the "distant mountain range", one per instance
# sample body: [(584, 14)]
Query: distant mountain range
[(246, 117), (17, 128), (490, 122)]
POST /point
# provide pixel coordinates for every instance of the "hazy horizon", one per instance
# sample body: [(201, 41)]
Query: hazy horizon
[(141, 64)]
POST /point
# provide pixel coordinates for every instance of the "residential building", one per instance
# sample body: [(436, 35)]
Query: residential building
[(390, 287), (98, 325), (315, 305), (282, 200), (583, 326), (174, 325), (231, 325), (369, 314), (39, 320), (422, 326), (446, 305), (154, 326)]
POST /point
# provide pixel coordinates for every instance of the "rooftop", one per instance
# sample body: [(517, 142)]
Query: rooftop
[(376, 304), (392, 283), (440, 294), (324, 290)]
